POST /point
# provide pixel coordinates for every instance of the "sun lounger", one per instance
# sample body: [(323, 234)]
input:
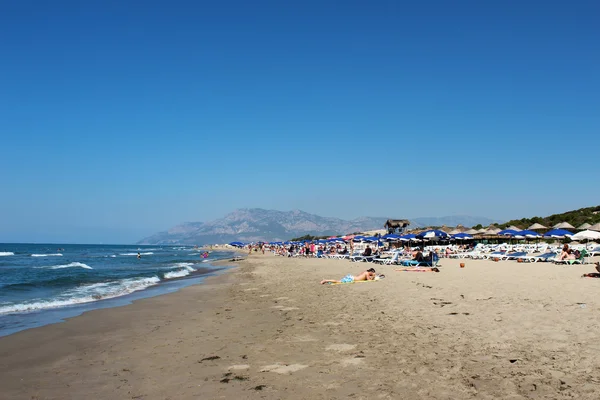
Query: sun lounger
[(594, 252), (389, 260), (541, 257), (579, 260), (515, 256)]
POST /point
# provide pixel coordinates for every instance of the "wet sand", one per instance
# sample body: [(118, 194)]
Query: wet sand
[(268, 330)]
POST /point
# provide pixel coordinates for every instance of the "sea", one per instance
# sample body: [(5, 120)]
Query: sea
[(42, 284)]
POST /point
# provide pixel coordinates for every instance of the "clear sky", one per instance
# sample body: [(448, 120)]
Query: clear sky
[(119, 119)]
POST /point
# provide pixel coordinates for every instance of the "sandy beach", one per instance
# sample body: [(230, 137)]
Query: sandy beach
[(268, 330)]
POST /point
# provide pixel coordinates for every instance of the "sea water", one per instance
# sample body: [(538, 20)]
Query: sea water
[(42, 283)]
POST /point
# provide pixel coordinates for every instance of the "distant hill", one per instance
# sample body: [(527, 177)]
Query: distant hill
[(591, 215), (251, 225)]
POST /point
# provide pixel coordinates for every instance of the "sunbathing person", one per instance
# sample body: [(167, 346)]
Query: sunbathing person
[(593, 274), (367, 275), (566, 254), (418, 269)]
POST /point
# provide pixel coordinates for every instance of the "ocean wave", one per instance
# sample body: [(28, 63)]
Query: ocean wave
[(135, 254), (84, 294), (184, 270), (71, 265), (6, 253), (47, 255)]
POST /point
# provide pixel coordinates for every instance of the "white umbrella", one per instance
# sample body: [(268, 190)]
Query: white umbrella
[(583, 235)]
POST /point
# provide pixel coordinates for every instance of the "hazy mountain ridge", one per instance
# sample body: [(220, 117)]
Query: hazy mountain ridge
[(256, 224)]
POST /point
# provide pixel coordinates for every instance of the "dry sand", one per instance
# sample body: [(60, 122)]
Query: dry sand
[(268, 330)]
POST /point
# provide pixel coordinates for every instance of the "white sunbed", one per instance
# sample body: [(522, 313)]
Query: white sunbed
[(551, 256)]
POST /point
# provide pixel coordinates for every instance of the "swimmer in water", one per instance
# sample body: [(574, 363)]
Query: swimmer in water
[(139, 256)]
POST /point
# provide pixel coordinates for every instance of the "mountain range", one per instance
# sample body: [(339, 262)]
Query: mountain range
[(256, 224)]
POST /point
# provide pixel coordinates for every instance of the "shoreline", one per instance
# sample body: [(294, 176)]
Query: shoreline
[(267, 329)]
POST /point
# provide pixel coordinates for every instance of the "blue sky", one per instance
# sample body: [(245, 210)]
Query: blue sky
[(119, 119)]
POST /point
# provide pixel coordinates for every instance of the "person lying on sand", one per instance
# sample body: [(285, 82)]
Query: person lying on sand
[(368, 275), (418, 269), (593, 274)]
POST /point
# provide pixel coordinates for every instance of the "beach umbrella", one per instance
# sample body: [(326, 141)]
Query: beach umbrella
[(514, 228), (408, 236), (595, 227), (584, 226), (558, 233), (391, 237), (529, 234), (454, 232), (236, 244), (537, 226), (508, 232), (471, 232), (586, 235), (432, 234), (370, 239), (563, 225), (462, 236)]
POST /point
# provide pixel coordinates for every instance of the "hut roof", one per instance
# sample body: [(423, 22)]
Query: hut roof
[(563, 225), (595, 227), (537, 226)]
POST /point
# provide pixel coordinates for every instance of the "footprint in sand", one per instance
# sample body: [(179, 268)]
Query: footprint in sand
[(283, 368), (250, 289), (279, 307), (289, 308), (238, 367), (304, 338), (346, 362), (264, 295), (341, 347), (281, 298)]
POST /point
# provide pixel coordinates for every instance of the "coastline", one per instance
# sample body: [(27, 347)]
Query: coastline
[(267, 329)]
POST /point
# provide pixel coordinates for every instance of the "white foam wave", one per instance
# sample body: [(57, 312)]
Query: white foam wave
[(71, 265), (184, 270), (135, 254), (6, 253), (85, 294), (47, 255)]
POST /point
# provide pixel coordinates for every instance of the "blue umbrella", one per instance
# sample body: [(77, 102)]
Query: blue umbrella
[(528, 234), (462, 236), (237, 244), (391, 237), (508, 232), (433, 234), (558, 233), (408, 236), (370, 239)]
